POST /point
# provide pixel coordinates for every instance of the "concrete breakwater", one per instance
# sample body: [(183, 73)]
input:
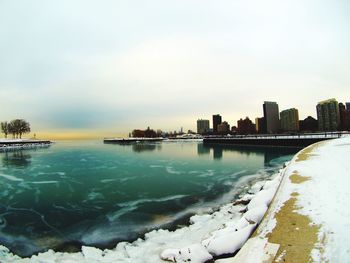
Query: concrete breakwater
[(272, 140), (18, 143), (131, 140)]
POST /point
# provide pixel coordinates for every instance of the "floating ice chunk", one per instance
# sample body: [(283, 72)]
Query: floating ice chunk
[(195, 253), (200, 219), (255, 214), (11, 177), (92, 253), (6, 255), (229, 243)]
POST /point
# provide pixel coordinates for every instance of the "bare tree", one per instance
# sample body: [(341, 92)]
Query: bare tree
[(24, 127), (18, 127), (4, 128)]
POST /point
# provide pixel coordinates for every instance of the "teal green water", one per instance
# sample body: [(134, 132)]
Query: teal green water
[(75, 193)]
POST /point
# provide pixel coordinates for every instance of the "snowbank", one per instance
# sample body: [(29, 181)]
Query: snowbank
[(321, 194)]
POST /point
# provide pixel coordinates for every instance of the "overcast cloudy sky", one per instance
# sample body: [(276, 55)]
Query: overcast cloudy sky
[(109, 66)]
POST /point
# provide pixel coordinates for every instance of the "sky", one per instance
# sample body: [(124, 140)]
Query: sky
[(83, 68)]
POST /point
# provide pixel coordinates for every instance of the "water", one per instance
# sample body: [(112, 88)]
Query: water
[(75, 193)]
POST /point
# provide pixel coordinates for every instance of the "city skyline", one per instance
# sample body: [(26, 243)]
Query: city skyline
[(85, 70)]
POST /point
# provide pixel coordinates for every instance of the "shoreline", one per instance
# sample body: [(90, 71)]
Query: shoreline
[(305, 221)]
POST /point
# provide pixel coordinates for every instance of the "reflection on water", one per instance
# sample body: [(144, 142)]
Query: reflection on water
[(143, 147), (201, 149), (16, 158), (269, 153)]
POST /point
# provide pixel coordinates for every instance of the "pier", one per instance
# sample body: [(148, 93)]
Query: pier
[(131, 140), (280, 140), (22, 143)]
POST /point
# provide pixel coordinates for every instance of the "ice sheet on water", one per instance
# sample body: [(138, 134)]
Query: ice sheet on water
[(11, 177), (221, 232)]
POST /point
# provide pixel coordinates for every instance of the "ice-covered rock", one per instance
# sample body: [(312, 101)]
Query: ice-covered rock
[(256, 214), (264, 197), (256, 187), (228, 243), (92, 253), (195, 253)]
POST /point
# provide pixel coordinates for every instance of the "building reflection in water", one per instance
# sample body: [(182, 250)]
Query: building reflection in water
[(144, 147), (269, 153), (201, 149)]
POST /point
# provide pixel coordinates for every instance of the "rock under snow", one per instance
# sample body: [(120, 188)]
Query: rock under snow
[(195, 253)]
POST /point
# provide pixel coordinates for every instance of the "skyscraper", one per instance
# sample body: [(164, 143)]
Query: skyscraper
[(216, 121), (223, 127), (344, 117), (260, 125), (328, 115), (271, 116), (202, 126), (290, 120), (347, 104)]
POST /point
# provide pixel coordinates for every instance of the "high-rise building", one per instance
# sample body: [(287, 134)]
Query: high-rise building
[(347, 104), (202, 126), (309, 124), (260, 125), (290, 120), (216, 121), (245, 126), (271, 117), (328, 115), (344, 117), (223, 127)]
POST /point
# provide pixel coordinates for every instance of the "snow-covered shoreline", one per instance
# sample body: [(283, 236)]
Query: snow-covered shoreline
[(309, 217), (205, 237)]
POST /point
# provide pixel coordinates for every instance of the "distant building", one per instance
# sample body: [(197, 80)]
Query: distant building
[(259, 125), (290, 120), (328, 115), (271, 117), (245, 126), (216, 121), (309, 124), (148, 133), (347, 104), (344, 117), (202, 126), (341, 107), (223, 127), (234, 129)]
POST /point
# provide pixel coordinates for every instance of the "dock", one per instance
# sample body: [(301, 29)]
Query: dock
[(22, 143), (131, 140)]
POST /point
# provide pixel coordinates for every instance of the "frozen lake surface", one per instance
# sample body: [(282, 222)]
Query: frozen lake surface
[(88, 193)]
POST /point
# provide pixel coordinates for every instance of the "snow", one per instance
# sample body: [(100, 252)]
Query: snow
[(255, 214), (324, 197), (13, 144), (195, 253), (230, 242)]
